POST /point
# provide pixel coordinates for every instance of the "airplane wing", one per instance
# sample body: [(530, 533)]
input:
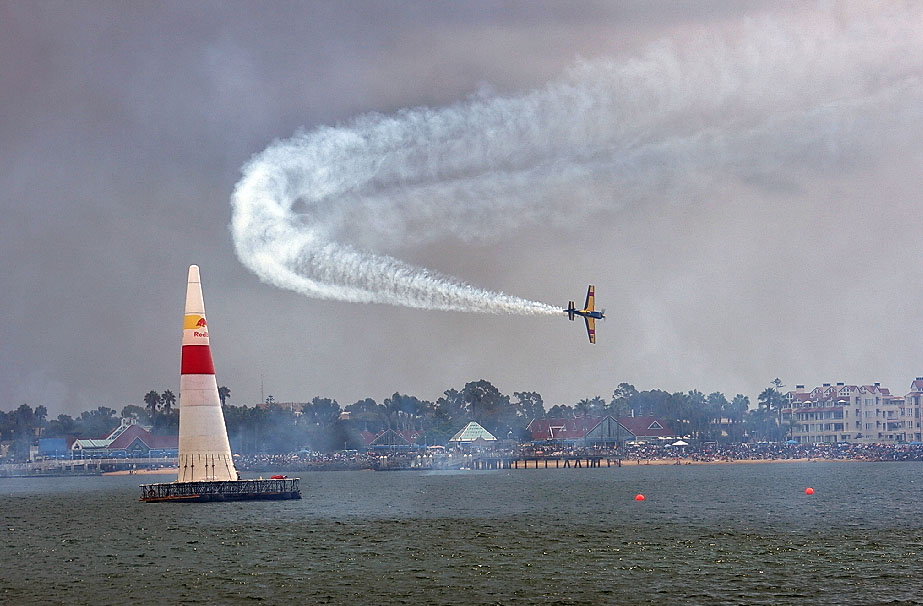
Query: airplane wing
[(590, 298), (591, 328)]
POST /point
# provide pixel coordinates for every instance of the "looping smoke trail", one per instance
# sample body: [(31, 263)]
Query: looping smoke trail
[(763, 99)]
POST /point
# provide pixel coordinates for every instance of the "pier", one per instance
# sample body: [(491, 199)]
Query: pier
[(87, 466), (553, 462)]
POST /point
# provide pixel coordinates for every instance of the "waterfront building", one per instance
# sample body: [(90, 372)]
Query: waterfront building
[(472, 435), (862, 414), (127, 440), (603, 431), (392, 439)]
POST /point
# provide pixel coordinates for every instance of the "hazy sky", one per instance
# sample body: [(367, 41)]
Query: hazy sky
[(743, 185)]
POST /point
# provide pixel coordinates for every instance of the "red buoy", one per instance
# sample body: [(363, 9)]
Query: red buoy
[(808, 490), (639, 497)]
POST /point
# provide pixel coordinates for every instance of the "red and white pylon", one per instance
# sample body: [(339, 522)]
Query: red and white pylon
[(204, 449)]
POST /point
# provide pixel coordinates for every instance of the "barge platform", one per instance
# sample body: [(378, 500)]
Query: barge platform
[(235, 490)]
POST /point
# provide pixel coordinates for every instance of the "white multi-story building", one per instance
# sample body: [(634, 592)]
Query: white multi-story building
[(865, 414)]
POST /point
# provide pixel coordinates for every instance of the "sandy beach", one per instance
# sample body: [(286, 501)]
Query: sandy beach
[(143, 472)]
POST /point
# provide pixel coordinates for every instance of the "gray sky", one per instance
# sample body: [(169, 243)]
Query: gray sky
[(746, 196)]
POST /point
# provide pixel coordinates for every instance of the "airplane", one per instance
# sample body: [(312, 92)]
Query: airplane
[(590, 315)]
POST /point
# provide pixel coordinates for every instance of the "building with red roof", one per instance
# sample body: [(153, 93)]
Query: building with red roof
[(599, 431), (391, 439), (129, 439)]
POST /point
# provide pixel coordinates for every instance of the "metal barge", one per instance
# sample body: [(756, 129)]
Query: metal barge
[(232, 490)]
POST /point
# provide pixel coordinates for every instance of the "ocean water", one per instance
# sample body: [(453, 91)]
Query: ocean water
[(705, 534)]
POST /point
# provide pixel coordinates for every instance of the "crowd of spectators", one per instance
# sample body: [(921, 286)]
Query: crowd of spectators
[(777, 452), (304, 461), (642, 453)]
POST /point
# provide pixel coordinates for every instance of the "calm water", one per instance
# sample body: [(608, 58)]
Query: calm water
[(723, 534)]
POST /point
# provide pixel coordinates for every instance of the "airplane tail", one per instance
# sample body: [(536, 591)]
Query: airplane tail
[(570, 310)]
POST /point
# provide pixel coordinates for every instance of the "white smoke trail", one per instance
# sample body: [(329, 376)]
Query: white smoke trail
[(768, 98)]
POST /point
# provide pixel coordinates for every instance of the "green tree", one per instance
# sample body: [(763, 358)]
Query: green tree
[(168, 400), (772, 401), (485, 404), (621, 398), (696, 413), (735, 412), (324, 431), (715, 406), (366, 415), (63, 426), (450, 407), (401, 411), (41, 413), (323, 412), (561, 411), (224, 394), (406, 412), (97, 423), (152, 401), (654, 402), (598, 406), (790, 425), (529, 406), (21, 427), (738, 408), (166, 423), (582, 408), (133, 411), (619, 406)]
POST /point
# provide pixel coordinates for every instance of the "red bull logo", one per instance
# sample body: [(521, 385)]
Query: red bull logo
[(201, 324), (197, 324)]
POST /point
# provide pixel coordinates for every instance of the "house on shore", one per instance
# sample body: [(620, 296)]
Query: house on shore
[(603, 432), (128, 440), (392, 439)]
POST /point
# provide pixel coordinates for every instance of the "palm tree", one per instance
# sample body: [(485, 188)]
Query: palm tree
[(152, 399), (735, 411), (790, 425), (168, 400), (715, 406), (738, 408), (597, 406), (583, 407), (696, 413), (772, 399), (393, 412), (224, 394)]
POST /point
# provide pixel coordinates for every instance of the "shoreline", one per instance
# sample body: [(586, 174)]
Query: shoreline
[(691, 461), (530, 462), (143, 472)]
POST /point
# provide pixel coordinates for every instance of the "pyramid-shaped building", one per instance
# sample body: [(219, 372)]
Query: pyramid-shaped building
[(472, 434)]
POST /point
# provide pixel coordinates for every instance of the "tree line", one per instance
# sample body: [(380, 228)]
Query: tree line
[(320, 425)]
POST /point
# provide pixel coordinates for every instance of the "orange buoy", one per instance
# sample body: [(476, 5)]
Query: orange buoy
[(808, 490), (639, 497)]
